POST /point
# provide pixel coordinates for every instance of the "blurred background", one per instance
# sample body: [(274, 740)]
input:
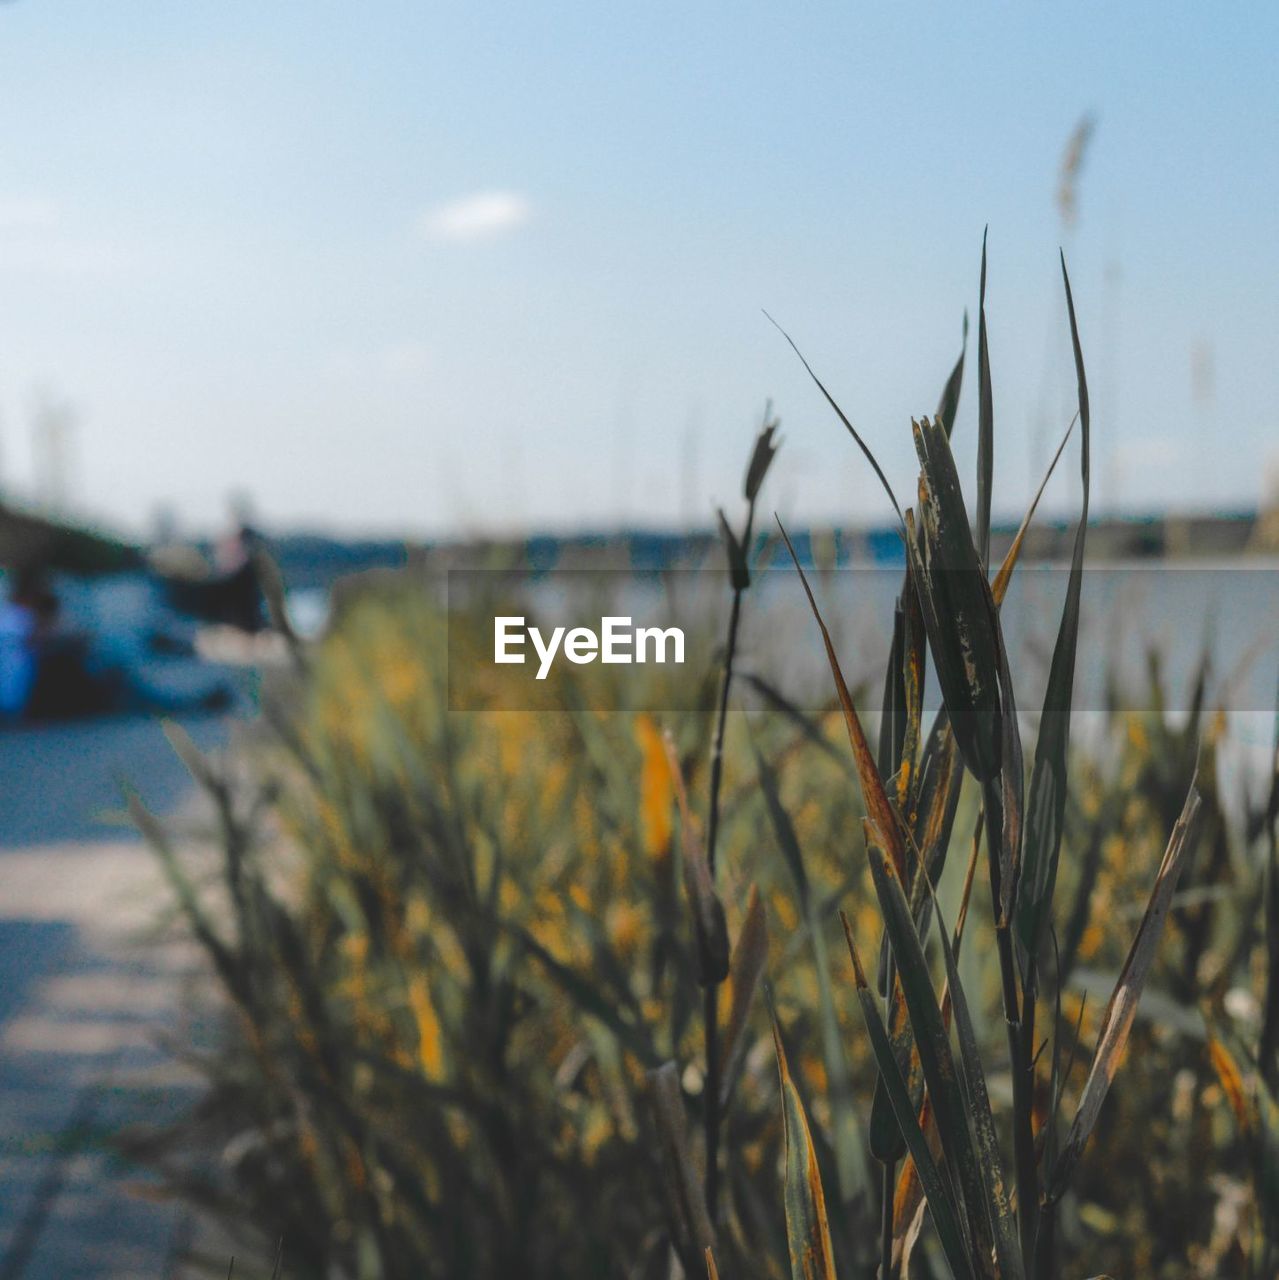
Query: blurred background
[(464, 270), (290, 293)]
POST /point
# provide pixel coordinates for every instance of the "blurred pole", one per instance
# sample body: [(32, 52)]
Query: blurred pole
[(53, 425)]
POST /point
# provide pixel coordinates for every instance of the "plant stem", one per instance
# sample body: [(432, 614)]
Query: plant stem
[(1045, 1243), (1023, 1103), (717, 748), (1024, 1167), (1030, 1217), (710, 1004), (710, 1016), (886, 1222)]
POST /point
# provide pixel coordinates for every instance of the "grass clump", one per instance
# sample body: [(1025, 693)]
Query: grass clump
[(495, 982)]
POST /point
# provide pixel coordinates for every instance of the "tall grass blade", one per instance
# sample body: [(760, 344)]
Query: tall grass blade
[(846, 1131), (874, 796), (1117, 1020), (945, 1086), (941, 776), (948, 405), (886, 1141), (710, 926), (750, 954), (959, 614), (909, 1196), (805, 723), (1011, 792), (908, 627), (839, 413), (807, 1228), (188, 898), (940, 780), (589, 998), (915, 646), (939, 1191), (1047, 802), (985, 423), (892, 715), (193, 759), (1003, 1219), (691, 1227), (999, 587), (783, 830)]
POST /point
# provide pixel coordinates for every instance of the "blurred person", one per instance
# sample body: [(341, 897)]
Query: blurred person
[(235, 560), (18, 646), (50, 670)]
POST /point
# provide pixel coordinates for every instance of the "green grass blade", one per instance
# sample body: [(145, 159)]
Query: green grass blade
[(999, 587), (1117, 1021), (874, 796), (892, 715), (948, 405), (954, 597), (932, 1043), (807, 1229), (886, 1141), (691, 1226), (1003, 1219), (709, 925), (941, 776), (588, 998), (940, 779), (846, 1135), (939, 1192), (750, 954), (1011, 789), (1047, 802), (805, 723), (189, 900), (915, 646), (783, 829), (985, 423), (839, 413), (909, 1190)]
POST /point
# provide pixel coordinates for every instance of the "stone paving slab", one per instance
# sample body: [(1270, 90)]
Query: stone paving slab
[(76, 1059), (84, 1006)]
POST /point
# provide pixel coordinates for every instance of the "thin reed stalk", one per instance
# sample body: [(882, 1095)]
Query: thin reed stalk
[(738, 549)]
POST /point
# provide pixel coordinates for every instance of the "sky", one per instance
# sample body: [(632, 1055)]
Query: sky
[(442, 269)]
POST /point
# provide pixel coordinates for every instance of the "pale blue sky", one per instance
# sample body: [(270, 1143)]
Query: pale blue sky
[(452, 267)]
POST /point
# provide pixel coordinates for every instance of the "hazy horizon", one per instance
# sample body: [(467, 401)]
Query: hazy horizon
[(491, 267)]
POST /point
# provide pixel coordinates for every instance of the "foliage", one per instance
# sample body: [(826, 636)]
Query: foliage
[(492, 979)]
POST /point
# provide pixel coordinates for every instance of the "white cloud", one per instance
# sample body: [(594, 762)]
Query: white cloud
[(481, 216), (399, 360)]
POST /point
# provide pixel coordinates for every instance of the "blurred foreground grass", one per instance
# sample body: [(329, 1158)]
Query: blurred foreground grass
[(454, 945), (492, 981)]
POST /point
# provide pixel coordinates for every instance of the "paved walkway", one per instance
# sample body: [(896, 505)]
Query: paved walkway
[(82, 1004)]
